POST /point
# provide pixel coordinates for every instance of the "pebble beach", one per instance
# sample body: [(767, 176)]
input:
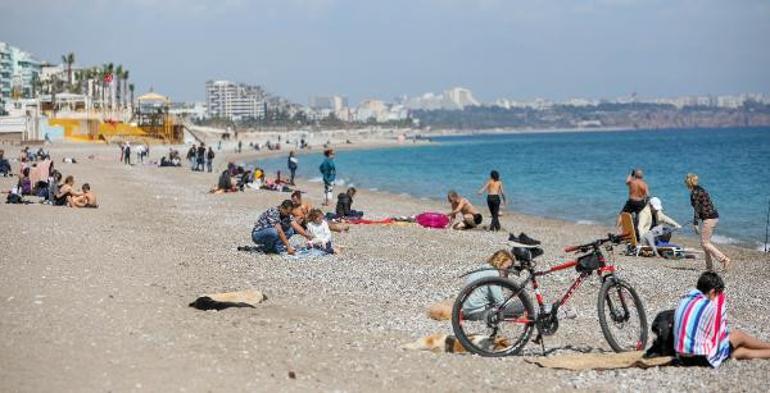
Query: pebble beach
[(96, 300)]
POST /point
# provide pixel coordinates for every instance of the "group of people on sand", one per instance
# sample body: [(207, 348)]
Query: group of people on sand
[(276, 225), (37, 177), (201, 159), (652, 224), (465, 216), (142, 151)]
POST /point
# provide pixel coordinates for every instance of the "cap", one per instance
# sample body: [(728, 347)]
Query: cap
[(656, 203)]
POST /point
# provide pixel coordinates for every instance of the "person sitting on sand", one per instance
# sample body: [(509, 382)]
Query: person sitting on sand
[(66, 192), (86, 199), (225, 184), (318, 228), (470, 217), (5, 166), (25, 182), (345, 203), (701, 334), (275, 227), (479, 302), (653, 223), (301, 208)]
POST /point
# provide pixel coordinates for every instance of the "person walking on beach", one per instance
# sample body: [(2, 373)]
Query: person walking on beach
[(240, 146), (127, 153), (495, 194), (706, 213), (329, 173), (469, 216), (293, 164), (275, 227), (200, 158), (210, 159)]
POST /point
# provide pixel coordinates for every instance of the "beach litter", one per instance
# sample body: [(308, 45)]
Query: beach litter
[(221, 301)]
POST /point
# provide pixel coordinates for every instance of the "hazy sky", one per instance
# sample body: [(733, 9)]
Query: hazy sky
[(386, 48)]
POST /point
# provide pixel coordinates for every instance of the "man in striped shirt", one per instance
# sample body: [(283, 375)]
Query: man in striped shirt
[(701, 334)]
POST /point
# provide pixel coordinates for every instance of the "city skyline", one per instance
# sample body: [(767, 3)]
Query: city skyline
[(298, 49)]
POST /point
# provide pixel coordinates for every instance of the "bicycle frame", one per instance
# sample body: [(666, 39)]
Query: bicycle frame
[(532, 278)]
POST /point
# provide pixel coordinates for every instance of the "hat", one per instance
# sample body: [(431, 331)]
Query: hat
[(656, 203)]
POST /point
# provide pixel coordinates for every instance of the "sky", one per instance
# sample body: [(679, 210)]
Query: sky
[(387, 48)]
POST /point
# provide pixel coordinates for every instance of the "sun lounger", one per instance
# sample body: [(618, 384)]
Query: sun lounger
[(636, 248)]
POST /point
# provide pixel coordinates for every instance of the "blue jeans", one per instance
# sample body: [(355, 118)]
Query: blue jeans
[(269, 240), (209, 165)]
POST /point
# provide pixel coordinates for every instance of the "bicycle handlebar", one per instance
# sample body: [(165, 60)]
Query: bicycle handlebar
[(615, 239)]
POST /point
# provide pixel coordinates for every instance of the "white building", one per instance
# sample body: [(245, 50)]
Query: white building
[(460, 97), (235, 101), (334, 103), (192, 110), (19, 72)]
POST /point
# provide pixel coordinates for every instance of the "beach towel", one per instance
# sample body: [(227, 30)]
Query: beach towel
[(40, 172), (600, 361), (221, 301), (433, 220)]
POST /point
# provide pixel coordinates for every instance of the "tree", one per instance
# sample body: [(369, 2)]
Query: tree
[(124, 78), (69, 60), (131, 89), (118, 76)]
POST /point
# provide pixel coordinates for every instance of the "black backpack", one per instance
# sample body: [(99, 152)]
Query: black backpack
[(663, 327)]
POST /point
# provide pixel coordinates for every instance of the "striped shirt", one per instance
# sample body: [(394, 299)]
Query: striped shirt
[(700, 328)]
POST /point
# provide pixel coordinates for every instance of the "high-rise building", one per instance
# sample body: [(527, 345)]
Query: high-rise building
[(235, 101), (19, 72), (334, 103), (461, 97)]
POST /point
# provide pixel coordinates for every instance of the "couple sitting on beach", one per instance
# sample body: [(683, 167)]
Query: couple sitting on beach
[(276, 226)]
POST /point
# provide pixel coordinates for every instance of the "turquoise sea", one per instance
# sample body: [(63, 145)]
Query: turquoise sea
[(577, 176)]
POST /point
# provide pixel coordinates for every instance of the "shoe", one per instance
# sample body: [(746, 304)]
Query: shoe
[(523, 239)]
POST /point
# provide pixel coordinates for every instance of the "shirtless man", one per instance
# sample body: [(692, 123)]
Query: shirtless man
[(470, 216), (302, 209), (86, 199), (638, 193)]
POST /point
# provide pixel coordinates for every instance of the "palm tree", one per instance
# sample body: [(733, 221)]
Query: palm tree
[(69, 60), (118, 75), (131, 89), (124, 77), (109, 72)]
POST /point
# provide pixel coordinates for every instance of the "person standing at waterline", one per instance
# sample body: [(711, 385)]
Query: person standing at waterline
[(292, 164), (494, 190), (329, 173), (706, 213)]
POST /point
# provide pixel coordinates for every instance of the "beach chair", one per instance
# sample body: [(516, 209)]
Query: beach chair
[(635, 247)]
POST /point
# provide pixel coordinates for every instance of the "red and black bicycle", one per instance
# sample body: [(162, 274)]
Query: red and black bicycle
[(494, 316)]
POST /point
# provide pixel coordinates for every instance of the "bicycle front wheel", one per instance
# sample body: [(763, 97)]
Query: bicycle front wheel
[(493, 317), (621, 316)]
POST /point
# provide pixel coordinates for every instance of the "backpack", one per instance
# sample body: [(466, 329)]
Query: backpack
[(663, 327)]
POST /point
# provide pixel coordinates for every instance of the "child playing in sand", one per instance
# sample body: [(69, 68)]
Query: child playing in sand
[(86, 199), (319, 230)]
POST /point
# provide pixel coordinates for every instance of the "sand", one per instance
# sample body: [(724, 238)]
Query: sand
[(97, 300)]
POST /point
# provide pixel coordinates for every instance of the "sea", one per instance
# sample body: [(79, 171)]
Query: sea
[(576, 176)]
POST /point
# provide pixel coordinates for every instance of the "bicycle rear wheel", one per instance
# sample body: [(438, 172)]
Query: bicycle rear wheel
[(493, 317), (621, 316)]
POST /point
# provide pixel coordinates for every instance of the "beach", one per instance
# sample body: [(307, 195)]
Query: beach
[(97, 299)]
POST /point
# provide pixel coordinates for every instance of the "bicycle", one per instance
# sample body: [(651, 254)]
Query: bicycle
[(508, 306)]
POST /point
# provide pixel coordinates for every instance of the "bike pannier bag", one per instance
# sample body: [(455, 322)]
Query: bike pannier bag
[(588, 263)]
